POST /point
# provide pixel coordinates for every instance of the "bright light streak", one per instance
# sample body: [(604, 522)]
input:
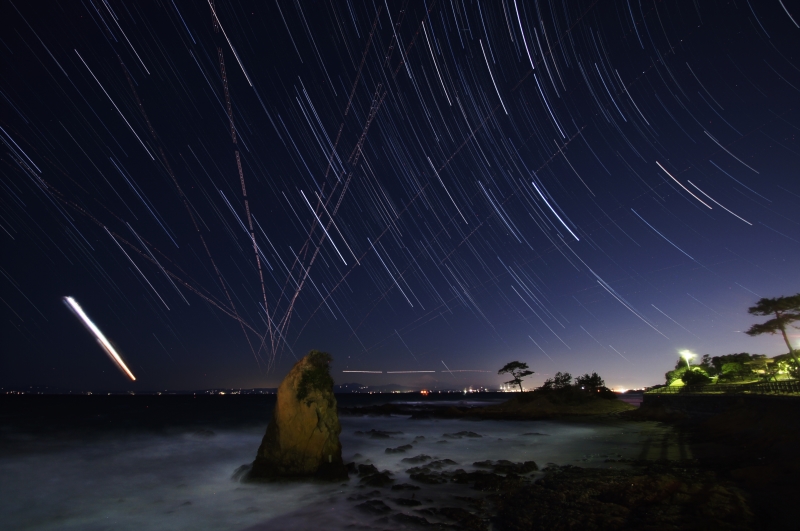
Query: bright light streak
[(728, 152), (667, 239), (115, 106), (445, 189), (682, 186), (492, 76), (448, 369), (522, 32), (553, 211), (105, 343), (229, 43), (368, 372), (717, 202), (323, 227), (406, 372)]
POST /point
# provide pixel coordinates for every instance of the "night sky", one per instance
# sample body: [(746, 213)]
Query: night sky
[(422, 186)]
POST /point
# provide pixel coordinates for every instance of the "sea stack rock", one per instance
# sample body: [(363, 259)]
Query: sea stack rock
[(302, 439)]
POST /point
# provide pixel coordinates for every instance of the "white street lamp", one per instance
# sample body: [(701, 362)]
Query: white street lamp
[(687, 355)]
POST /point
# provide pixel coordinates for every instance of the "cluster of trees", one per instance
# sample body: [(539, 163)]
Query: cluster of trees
[(591, 383), (784, 311), (730, 368)]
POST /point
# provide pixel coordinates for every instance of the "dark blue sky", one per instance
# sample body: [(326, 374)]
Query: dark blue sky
[(583, 186)]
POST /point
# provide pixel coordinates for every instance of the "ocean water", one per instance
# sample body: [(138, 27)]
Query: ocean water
[(182, 479)]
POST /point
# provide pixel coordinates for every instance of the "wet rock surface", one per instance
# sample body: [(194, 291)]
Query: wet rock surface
[(657, 497), (462, 434), (651, 496), (399, 449), (504, 466), (379, 434), (435, 492)]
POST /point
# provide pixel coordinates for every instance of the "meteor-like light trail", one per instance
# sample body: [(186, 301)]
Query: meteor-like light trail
[(540, 348), (154, 78), (631, 309), (667, 239), (322, 226), (492, 76), (553, 211), (404, 344), (105, 343), (726, 151), (448, 369), (674, 321), (681, 185), (708, 196), (137, 267), (620, 353), (115, 106)]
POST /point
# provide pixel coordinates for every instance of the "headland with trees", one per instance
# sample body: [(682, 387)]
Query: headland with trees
[(723, 373)]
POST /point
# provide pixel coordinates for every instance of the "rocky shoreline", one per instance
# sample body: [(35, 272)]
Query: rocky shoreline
[(728, 480), (511, 496)]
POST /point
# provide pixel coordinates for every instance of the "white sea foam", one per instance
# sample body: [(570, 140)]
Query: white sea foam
[(183, 481)]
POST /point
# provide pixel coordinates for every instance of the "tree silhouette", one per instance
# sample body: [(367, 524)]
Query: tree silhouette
[(517, 370), (590, 382), (786, 311), (561, 380)]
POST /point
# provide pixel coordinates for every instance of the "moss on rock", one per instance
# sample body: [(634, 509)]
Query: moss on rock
[(316, 375)]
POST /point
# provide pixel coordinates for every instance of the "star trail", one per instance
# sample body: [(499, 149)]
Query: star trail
[(407, 185)]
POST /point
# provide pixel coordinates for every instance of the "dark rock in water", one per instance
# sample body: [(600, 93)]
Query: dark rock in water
[(419, 438), (241, 472), (399, 449), (381, 479), (404, 486), (658, 498), (462, 434), (406, 502), (366, 470), (379, 434), (302, 438), (441, 463), (374, 507), (421, 458), (359, 497), (507, 467), (427, 477), (536, 433), (409, 519), (351, 468)]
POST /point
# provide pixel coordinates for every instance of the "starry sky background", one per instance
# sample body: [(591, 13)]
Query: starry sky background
[(432, 186)]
